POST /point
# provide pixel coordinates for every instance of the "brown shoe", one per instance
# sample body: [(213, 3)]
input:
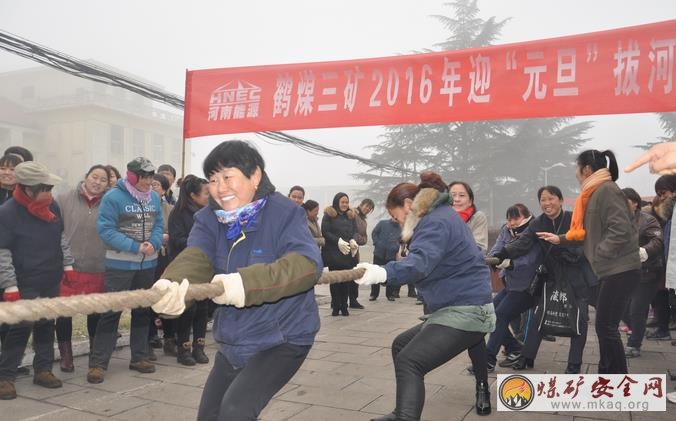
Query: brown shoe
[(7, 390), (47, 379), (143, 366), (95, 375)]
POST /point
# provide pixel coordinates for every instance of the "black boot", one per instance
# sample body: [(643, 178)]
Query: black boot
[(185, 354), (483, 398), (198, 351), (573, 368), (523, 363)]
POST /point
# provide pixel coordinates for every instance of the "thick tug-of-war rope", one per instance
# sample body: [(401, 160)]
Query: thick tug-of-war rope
[(51, 308)]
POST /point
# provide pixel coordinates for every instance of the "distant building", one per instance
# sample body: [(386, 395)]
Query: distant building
[(71, 123)]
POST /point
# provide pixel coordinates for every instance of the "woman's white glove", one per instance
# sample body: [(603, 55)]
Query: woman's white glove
[(172, 302), (642, 254), (374, 274), (504, 264), (234, 289), (343, 246), (354, 247)]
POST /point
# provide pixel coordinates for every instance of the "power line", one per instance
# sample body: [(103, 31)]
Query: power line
[(100, 74)]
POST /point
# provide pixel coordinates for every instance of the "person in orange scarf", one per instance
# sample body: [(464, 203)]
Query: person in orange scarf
[(602, 222)]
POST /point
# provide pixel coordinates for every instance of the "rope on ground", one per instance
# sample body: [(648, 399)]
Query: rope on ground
[(51, 308)]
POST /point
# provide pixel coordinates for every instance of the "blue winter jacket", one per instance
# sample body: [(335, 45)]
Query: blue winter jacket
[(443, 261), (278, 230), (124, 224), (386, 236)]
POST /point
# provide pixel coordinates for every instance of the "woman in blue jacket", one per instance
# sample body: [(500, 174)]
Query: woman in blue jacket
[(449, 272), (255, 242)]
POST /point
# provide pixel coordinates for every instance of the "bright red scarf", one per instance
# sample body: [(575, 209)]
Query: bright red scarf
[(466, 214), (39, 209)]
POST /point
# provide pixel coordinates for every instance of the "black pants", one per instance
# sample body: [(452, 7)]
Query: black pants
[(662, 310), (375, 290), (614, 293), (353, 292), (639, 303), (16, 338), (418, 351), (339, 291), (241, 394), (193, 318), (64, 327)]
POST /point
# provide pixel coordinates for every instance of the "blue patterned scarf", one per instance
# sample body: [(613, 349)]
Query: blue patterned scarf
[(240, 218)]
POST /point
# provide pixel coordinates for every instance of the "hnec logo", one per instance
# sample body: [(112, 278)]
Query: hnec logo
[(234, 101), (516, 392)]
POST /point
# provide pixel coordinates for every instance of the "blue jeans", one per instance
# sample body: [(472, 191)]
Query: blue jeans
[(106, 330), (241, 394), (508, 305)]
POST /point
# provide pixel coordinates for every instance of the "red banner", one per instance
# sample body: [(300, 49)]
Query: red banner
[(627, 70)]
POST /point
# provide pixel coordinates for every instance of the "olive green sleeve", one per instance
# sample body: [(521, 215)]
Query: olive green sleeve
[(191, 264), (269, 282)]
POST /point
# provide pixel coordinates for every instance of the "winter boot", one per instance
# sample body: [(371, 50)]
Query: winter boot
[(483, 398), (66, 351), (170, 347), (185, 354), (198, 351)]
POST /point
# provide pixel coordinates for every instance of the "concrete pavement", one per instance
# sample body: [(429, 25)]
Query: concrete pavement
[(347, 376)]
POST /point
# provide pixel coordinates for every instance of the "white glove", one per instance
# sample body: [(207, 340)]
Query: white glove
[(374, 274), (234, 289), (642, 254), (172, 302), (343, 246), (504, 264), (354, 247)]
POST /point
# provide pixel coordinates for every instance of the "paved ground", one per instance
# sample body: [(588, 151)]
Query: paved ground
[(348, 376)]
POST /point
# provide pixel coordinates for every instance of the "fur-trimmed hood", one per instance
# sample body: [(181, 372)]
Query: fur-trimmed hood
[(425, 201), (664, 209), (331, 212)]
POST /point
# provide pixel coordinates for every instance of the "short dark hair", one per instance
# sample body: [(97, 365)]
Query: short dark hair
[(164, 181), (551, 190), (309, 205), (24, 153), (10, 160), (98, 167), (632, 195), (167, 167), (233, 154), (113, 170), (298, 188), (368, 202), (517, 210)]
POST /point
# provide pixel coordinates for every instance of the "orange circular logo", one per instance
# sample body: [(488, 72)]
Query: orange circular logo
[(516, 392)]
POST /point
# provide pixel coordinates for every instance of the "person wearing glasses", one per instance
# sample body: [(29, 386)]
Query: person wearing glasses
[(33, 258)]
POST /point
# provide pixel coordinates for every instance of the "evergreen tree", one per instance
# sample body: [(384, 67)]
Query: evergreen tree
[(503, 161)]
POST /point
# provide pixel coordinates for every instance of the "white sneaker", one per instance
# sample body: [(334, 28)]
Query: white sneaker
[(671, 397)]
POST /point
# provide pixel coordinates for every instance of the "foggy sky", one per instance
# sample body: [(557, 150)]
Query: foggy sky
[(158, 41)]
